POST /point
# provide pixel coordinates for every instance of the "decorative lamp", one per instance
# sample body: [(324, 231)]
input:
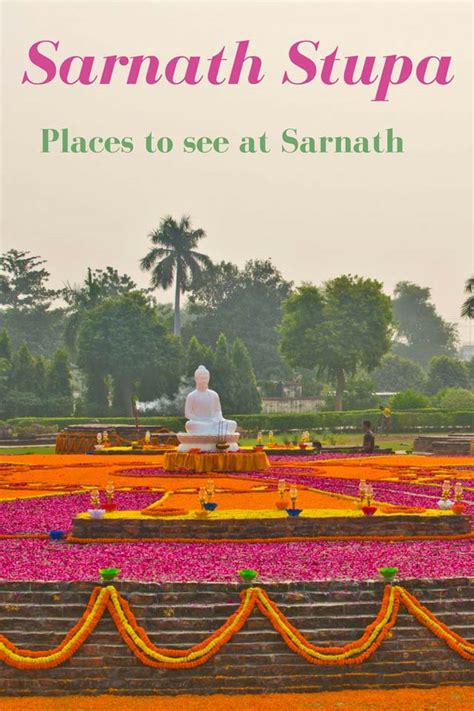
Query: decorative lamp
[(458, 492), (95, 498), (293, 496), (210, 489), (369, 492), (202, 497)]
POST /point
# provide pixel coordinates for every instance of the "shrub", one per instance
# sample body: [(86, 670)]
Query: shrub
[(457, 399), (409, 400), (428, 419)]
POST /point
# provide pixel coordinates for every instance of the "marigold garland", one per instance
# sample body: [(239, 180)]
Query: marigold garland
[(148, 653)]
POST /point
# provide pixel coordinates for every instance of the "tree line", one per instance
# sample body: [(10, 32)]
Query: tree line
[(111, 341)]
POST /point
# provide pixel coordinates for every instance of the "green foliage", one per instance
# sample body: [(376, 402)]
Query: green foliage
[(97, 395), (338, 329), (123, 338), (246, 395), (99, 284), (242, 303), (445, 372), (359, 393), (421, 332), (222, 375), (198, 354), (24, 281), (42, 330), (173, 258), (467, 309), (457, 399), (396, 373), (470, 371), (23, 370), (347, 421), (58, 384), (409, 400), (5, 346)]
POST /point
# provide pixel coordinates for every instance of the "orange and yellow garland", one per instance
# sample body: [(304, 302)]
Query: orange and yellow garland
[(148, 653)]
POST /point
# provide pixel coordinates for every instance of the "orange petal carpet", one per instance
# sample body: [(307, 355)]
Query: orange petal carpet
[(444, 698)]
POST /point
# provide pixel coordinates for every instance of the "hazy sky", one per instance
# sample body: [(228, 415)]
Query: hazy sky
[(392, 217)]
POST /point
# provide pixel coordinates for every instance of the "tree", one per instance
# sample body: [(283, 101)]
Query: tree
[(41, 386), (222, 375), (358, 395), (421, 332), (396, 373), (59, 390), (5, 346), (246, 395), (467, 310), (123, 338), (242, 303), (198, 354), (26, 299), (338, 329), (23, 370), (24, 281), (409, 400), (445, 372), (98, 285), (173, 258)]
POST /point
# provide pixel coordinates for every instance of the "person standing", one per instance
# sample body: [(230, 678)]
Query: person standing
[(368, 444), (385, 419)]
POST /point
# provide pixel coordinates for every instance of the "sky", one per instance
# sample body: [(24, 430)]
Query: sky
[(388, 216)]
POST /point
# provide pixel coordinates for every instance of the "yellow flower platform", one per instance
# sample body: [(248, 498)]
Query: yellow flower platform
[(200, 463)]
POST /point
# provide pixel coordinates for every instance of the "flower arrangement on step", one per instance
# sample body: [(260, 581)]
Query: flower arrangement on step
[(366, 495), (458, 506), (293, 512), (95, 510), (445, 501)]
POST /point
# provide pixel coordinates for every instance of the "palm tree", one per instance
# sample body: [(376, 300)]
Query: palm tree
[(172, 258), (467, 310)]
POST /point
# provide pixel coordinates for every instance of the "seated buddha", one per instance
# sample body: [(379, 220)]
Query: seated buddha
[(206, 425)]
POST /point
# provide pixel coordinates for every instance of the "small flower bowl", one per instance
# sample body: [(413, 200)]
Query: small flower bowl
[(445, 504), (258, 448), (293, 513), (388, 573), (210, 506), (282, 504), (109, 573), (248, 575), (369, 510), (56, 535), (302, 445), (458, 508), (96, 513), (110, 507)]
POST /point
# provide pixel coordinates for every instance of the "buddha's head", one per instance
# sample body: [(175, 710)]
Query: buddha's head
[(201, 377)]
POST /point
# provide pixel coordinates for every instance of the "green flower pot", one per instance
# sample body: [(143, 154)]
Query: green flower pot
[(388, 573), (109, 573), (248, 575)]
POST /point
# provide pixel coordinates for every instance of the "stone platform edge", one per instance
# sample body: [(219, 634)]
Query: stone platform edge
[(271, 528)]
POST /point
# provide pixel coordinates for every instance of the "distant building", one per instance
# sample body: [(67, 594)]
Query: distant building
[(466, 352), (291, 404)]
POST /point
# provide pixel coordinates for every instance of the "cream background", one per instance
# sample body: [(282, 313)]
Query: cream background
[(392, 217)]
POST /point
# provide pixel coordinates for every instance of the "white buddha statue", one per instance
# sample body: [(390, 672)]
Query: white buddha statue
[(206, 427)]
